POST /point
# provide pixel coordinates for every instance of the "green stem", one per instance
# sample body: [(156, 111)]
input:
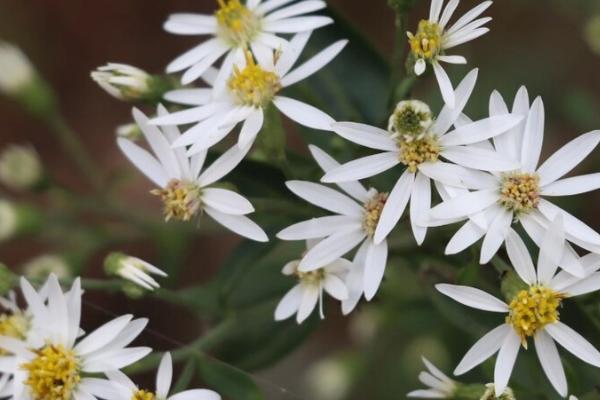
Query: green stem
[(75, 149), (401, 23), (204, 343)]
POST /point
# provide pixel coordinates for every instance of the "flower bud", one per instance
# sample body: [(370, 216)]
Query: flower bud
[(17, 219), (490, 395), (129, 131), (329, 380), (20, 167), (411, 119), (132, 269), (41, 267), (17, 71)]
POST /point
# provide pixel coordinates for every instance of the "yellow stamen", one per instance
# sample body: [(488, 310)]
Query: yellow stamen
[(427, 42), (415, 151), (373, 210), (533, 309), (311, 277), (53, 374), (237, 24), (253, 86), (181, 199), (143, 395), (520, 192)]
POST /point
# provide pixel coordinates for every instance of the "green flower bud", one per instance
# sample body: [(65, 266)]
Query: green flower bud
[(20, 167), (411, 119)]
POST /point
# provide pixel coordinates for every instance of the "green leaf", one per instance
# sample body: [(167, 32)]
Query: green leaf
[(230, 382)]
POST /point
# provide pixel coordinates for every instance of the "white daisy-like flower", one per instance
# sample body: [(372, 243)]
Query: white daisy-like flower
[(251, 86), (304, 297), (440, 386), (357, 214), (133, 269), (236, 27), (183, 187), (434, 37), (420, 149), (520, 195), (14, 322), (532, 313), (125, 389), (56, 363)]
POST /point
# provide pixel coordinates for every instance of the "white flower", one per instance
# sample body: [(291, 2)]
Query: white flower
[(421, 152), (133, 269), (303, 298), (440, 386), (122, 81), (9, 219), (433, 38), (236, 26), (249, 89), (357, 216), (55, 363), (17, 71), (20, 167), (42, 266), (532, 313), (182, 185), (125, 389), (519, 195)]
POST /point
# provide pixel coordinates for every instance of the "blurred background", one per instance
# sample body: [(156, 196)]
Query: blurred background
[(552, 46)]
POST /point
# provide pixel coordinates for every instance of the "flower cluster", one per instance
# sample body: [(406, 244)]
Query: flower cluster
[(46, 354), (486, 173)]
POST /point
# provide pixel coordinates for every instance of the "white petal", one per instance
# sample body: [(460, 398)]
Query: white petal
[(330, 249), (291, 53), (198, 69), (164, 376), (102, 335), (582, 286), (572, 225), (320, 227), (325, 197), (420, 67), (310, 297), (448, 12), (335, 287), (375, 263), (568, 157), (480, 130), (144, 162), (190, 115), (435, 10), (520, 258), (572, 186), (270, 5), (251, 127), (189, 97), (226, 201), (445, 173), (445, 84), (550, 360), (365, 135), (449, 115), (289, 304), (303, 113), (196, 394), (190, 57), (239, 224), (485, 347), (480, 159), (505, 362), (394, 206), (466, 35), (473, 297), (362, 168), (427, 394), (223, 165), (470, 16), (314, 64), (495, 235), (452, 59), (574, 343), (468, 234), (328, 163), (420, 203), (551, 251), (464, 205), (296, 24), (533, 136)]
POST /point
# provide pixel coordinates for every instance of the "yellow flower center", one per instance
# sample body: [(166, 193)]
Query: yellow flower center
[(237, 24), (373, 210), (253, 86), (427, 42), (53, 374), (311, 277), (520, 192), (143, 395), (181, 200), (14, 326), (533, 309), (416, 150)]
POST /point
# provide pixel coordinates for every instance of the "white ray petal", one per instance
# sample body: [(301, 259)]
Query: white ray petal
[(571, 186), (533, 136), (473, 297), (574, 343), (394, 206), (303, 113), (365, 135), (325, 197), (485, 347), (314, 64), (507, 356), (362, 168)]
